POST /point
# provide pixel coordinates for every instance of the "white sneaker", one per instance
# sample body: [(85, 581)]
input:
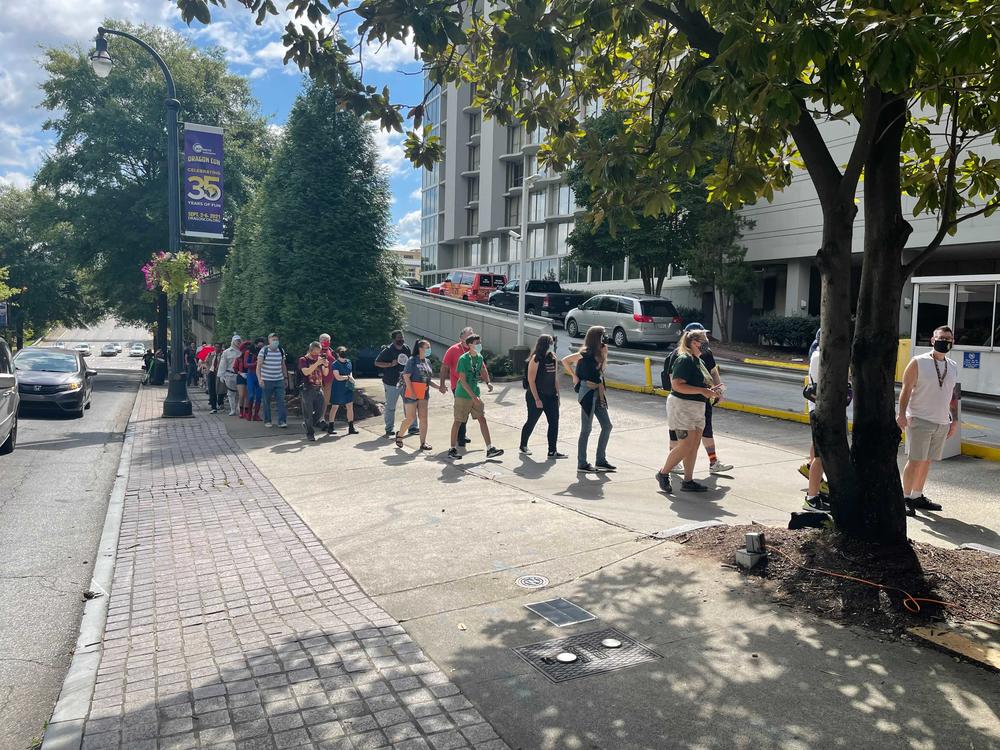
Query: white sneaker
[(232, 413), (678, 470), (717, 467), (282, 424), (268, 424)]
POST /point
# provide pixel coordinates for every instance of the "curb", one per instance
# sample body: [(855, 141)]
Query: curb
[(65, 727), (775, 363), (973, 450)]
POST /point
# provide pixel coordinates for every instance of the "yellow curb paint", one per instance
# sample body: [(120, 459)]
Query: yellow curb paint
[(774, 363), (975, 450)]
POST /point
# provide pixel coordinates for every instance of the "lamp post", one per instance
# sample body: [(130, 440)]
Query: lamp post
[(177, 403)]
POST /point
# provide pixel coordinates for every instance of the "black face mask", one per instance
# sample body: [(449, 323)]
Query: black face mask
[(942, 346)]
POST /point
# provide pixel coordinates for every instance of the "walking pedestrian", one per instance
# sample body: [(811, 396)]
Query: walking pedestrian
[(249, 366), (541, 395), (468, 403), (327, 351), (191, 363), (212, 378), (227, 368), (390, 361), (449, 372), (586, 367), (715, 466), (690, 390), (342, 393), (418, 379), (313, 366), (272, 373), (928, 411)]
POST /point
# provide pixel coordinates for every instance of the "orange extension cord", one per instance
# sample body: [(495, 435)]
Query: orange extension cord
[(910, 602)]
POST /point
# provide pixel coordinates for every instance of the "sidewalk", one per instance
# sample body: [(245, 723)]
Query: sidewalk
[(232, 626), (439, 546)]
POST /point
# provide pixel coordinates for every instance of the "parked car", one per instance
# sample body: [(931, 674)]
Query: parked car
[(472, 286), (408, 282), (628, 318), (84, 349), (10, 399), (54, 379), (109, 350), (136, 350), (435, 289), (541, 297), (118, 348)]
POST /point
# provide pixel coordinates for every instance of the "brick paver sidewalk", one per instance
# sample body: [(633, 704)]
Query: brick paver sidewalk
[(231, 626)]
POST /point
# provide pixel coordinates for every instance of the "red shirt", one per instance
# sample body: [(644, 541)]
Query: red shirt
[(330, 357), (314, 379), (451, 362)]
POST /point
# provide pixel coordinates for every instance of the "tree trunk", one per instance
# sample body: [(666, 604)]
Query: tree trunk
[(660, 278), (647, 280), (19, 344), (876, 513), (723, 306), (162, 323)]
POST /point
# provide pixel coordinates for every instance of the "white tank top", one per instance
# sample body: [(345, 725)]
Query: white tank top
[(931, 398)]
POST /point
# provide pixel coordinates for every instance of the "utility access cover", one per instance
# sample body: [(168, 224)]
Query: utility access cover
[(596, 652), (532, 582), (561, 612)]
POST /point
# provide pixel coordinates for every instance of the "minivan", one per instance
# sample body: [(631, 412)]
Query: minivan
[(628, 319), (472, 286), (10, 399)]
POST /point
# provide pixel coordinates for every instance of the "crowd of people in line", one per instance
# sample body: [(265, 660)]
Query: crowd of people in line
[(251, 374)]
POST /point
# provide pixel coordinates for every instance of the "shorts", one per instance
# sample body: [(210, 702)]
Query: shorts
[(241, 380), (684, 415), (465, 408), (707, 432), (926, 439)]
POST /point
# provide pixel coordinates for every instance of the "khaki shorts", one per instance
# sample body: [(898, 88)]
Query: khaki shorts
[(684, 415), (465, 408), (926, 439)]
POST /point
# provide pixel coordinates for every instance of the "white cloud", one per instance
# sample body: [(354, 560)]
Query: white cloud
[(407, 231), (392, 155), (257, 73), (415, 195), (393, 56), (271, 52), (15, 179), (231, 36)]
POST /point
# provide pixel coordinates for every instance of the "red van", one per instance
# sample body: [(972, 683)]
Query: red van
[(472, 286)]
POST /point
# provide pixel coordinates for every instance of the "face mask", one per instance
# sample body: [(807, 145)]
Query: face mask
[(942, 346), (274, 345), (478, 348), (398, 344), (326, 344), (427, 352)]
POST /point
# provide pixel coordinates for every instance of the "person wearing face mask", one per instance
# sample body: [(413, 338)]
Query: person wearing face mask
[(471, 370), (343, 391), (928, 411), (691, 388), (418, 379), (449, 371), (586, 367), (228, 362), (390, 362), (326, 350), (272, 372), (313, 366)]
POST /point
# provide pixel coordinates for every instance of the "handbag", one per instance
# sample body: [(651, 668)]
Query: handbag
[(417, 391), (809, 392)]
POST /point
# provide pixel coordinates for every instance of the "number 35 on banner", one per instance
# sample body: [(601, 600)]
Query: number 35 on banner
[(204, 187)]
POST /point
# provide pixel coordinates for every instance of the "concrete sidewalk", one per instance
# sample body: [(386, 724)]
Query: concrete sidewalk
[(439, 545)]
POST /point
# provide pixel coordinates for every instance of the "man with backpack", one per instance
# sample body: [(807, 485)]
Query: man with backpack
[(272, 374), (715, 466)]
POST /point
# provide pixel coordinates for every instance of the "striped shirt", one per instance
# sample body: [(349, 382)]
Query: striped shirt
[(270, 364)]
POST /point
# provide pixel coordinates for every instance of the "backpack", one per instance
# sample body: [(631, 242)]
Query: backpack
[(262, 355), (668, 365)]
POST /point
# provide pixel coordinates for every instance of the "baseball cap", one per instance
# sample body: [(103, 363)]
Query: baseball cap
[(696, 327)]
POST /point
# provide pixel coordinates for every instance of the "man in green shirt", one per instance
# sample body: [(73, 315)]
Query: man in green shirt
[(471, 369)]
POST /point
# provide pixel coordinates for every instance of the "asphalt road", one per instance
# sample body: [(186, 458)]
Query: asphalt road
[(54, 492)]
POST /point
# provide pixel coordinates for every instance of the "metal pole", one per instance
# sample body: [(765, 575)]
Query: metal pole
[(522, 267), (177, 403)]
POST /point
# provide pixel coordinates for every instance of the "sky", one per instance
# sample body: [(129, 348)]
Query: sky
[(253, 51)]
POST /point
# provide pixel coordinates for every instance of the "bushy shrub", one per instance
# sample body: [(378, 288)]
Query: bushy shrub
[(794, 331), (499, 365), (691, 314)]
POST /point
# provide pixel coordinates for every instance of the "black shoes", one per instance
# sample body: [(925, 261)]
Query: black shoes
[(585, 468), (351, 430), (464, 442), (920, 503), (494, 453), (820, 503), (664, 481), (605, 466), (556, 454), (689, 485), (453, 453)]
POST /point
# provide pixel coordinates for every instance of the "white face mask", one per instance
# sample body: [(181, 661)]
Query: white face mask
[(478, 348)]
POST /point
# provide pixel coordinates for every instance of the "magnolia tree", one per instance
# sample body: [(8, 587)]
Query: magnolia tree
[(916, 79)]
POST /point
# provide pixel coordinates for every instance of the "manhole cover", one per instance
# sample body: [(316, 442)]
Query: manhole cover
[(549, 657), (532, 582), (561, 612)]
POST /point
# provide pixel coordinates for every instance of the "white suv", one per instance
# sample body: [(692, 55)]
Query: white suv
[(10, 400)]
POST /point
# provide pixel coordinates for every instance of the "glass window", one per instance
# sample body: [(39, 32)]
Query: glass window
[(608, 304), (515, 175), (634, 271), (593, 303), (467, 277), (626, 306), (658, 308), (512, 211), (515, 139), (932, 311), (473, 158), (472, 221), (536, 243), (537, 207), (974, 306), (559, 235), (473, 189), (474, 122)]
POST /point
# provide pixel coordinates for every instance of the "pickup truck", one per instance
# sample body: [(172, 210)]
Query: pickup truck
[(545, 298)]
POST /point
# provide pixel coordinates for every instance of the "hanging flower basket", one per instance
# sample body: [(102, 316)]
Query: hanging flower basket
[(175, 274)]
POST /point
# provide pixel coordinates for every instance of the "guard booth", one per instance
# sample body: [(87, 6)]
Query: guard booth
[(969, 306)]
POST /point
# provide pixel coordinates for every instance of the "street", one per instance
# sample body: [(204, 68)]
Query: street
[(53, 495)]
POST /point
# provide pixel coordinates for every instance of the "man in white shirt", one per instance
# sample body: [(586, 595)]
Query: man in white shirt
[(928, 411)]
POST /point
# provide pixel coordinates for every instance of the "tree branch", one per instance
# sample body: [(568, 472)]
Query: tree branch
[(866, 137), (823, 170), (691, 23)]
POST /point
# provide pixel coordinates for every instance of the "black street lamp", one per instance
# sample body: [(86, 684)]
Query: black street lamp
[(177, 403)]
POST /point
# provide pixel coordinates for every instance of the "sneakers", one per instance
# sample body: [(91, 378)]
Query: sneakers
[(213, 411), (268, 424), (820, 503), (824, 488), (464, 442), (282, 424), (664, 481), (922, 503), (556, 454), (689, 485), (586, 468), (605, 466), (311, 438), (494, 452), (524, 450), (717, 467), (678, 469), (453, 453), (390, 432)]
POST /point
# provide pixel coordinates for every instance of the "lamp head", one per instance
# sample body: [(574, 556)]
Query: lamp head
[(101, 61)]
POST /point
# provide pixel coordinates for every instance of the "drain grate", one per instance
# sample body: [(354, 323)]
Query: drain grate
[(560, 612), (592, 656), (532, 582)]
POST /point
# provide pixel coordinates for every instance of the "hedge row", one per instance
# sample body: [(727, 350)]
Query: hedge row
[(795, 331)]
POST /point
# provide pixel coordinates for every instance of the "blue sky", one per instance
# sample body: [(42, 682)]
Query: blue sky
[(250, 50)]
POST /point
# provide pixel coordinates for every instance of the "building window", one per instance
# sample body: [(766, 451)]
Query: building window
[(475, 120), (536, 243), (975, 305), (571, 273), (512, 211), (473, 190), (473, 158), (515, 175), (515, 139), (536, 206), (932, 311), (492, 254), (558, 238), (562, 201), (472, 221), (472, 253)]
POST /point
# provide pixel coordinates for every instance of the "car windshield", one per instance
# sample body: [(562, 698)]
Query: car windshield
[(47, 361), (658, 308)]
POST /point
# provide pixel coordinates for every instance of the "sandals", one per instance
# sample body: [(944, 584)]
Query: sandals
[(399, 441), (425, 447)]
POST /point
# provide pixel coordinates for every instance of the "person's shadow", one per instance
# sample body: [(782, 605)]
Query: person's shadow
[(588, 486), (955, 531), (531, 468)]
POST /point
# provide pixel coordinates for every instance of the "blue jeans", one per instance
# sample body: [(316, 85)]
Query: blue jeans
[(586, 424), (277, 389), (392, 395)]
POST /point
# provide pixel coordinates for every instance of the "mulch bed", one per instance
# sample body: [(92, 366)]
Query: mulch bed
[(967, 580)]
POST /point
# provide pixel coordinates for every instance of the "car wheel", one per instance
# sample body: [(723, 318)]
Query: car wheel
[(572, 329), (11, 442), (88, 404), (620, 338), (529, 311)]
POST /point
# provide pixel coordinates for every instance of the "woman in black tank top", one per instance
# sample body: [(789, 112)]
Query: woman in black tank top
[(541, 395)]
